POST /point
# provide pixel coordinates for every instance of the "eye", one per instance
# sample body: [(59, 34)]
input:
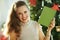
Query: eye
[(25, 11), (19, 13)]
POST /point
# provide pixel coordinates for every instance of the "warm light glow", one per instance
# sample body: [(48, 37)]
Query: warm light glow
[(58, 28), (2, 29)]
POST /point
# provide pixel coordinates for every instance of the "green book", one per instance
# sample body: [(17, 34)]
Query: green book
[(46, 16)]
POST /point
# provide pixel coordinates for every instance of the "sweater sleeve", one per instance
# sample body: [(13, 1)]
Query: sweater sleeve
[(41, 34)]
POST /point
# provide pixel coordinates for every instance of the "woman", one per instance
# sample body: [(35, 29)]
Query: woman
[(20, 27)]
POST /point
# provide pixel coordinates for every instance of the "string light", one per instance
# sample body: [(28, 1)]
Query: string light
[(58, 28)]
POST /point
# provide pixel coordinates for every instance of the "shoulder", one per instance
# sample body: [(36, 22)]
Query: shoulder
[(35, 23)]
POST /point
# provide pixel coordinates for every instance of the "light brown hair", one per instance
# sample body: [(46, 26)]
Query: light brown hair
[(14, 23)]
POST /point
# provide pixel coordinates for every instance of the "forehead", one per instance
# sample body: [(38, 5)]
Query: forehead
[(22, 8)]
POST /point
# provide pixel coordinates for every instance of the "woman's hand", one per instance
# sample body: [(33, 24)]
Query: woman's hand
[(52, 25)]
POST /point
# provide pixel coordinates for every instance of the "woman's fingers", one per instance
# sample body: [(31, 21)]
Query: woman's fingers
[(52, 24)]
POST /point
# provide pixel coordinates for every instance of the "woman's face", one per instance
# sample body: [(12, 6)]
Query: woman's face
[(23, 13)]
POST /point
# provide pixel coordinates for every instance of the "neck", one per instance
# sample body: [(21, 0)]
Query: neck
[(24, 23)]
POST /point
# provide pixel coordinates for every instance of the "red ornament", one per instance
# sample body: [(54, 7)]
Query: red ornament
[(55, 7), (3, 38), (32, 2)]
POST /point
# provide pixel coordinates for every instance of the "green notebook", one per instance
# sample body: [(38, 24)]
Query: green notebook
[(46, 16)]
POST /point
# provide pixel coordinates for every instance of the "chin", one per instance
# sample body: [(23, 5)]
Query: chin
[(24, 21)]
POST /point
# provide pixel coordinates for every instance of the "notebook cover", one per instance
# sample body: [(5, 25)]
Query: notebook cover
[(46, 16)]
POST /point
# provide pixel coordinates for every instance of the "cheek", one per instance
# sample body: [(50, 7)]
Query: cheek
[(27, 16), (20, 17)]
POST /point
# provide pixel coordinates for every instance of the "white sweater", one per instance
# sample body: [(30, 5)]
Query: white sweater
[(30, 31)]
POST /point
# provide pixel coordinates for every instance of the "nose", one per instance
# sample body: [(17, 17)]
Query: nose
[(23, 15)]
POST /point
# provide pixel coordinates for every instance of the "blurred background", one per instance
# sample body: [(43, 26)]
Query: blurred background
[(36, 7)]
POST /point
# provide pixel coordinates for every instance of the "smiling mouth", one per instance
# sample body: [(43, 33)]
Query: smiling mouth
[(24, 18)]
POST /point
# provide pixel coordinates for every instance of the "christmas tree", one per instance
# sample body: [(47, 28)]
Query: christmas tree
[(36, 7)]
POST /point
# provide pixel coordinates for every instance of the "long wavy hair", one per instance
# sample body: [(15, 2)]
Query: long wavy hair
[(14, 22)]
